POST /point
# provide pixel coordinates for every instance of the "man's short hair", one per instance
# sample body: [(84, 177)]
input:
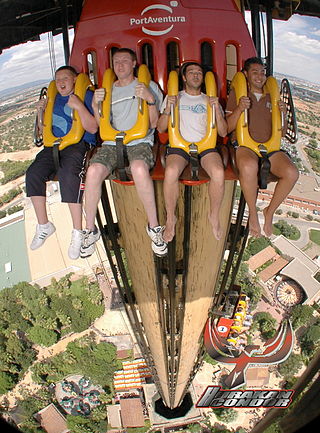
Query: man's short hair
[(252, 61), (126, 50), (183, 69), (68, 68)]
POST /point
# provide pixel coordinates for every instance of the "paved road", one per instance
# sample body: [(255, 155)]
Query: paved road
[(303, 225)]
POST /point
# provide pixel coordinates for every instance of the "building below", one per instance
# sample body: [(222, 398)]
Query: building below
[(131, 412), (293, 201), (52, 420), (14, 262), (291, 279), (302, 269)]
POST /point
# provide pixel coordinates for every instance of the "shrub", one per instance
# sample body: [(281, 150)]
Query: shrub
[(291, 366), (14, 209), (287, 230), (225, 415), (13, 169), (257, 244), (9, 196), (267, 324)]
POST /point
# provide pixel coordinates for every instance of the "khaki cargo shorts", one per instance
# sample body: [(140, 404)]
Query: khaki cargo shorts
[(107, 155)]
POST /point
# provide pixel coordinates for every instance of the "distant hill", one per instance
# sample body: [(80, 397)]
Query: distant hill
[(16, 89)]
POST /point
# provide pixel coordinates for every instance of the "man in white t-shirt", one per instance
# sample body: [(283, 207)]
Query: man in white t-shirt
[(124, 107), (193, 125)]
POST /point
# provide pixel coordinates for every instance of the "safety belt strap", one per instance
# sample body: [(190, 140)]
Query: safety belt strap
[(122, 157), (264, 167), (55, 154), (194, 161)]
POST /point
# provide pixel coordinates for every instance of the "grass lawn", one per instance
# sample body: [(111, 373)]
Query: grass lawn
[(314, 236)]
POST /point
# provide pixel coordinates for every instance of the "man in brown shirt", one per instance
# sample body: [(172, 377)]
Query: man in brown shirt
[(260, 126)]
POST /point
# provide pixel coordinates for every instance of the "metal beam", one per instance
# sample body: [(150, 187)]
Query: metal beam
[(255, 22), (269, 41), (64, 24)]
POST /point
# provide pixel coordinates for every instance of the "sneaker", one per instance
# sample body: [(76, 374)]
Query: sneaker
[(75, 244), (158, 245), (88, 244), (43, 231)]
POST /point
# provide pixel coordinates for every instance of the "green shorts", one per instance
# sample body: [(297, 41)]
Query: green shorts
[(107, 155)]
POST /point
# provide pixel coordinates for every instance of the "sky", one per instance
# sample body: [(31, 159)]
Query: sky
[(296, 50)]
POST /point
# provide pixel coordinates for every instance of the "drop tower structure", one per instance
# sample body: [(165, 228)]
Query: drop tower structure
[(167, 299)]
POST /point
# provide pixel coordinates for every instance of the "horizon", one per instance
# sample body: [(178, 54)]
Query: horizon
[(10, 90)]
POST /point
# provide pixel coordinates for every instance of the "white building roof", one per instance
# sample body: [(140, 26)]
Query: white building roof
[(288, 248), (302, 275)]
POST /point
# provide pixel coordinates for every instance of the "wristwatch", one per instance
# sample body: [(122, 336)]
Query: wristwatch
[(151, 103)]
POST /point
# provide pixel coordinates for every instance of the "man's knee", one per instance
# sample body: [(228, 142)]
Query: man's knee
[(248, 168), (96, 173), (139, 168), (214, 169), (292, 173), (288, 172), (172, 172)]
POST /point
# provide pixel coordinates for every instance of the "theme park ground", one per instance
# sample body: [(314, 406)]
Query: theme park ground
[(114, 323)]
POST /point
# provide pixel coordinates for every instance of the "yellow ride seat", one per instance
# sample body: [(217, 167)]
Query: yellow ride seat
[(239, 316), (242, 303), (141, 127), (76, 132), (239, 83), (232, 340), (175, 137), (236, 328)]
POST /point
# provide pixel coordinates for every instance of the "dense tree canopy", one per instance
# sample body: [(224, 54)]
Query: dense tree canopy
[(301, 315), (255, 245), (291, 366), (33, 315), (225, 415), (287, 230), (265, 323)]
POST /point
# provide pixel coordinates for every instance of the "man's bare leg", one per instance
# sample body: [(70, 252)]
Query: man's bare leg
[(286, 171), (145, 190), (76, 215), (39, 205), (175, 165), (212, 164), (96, 174), (248, 164)]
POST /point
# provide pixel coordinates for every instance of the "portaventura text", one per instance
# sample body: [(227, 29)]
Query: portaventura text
[(150, 20)]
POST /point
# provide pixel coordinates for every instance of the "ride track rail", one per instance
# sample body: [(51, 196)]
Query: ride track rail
[(174, 318), (238, 235)]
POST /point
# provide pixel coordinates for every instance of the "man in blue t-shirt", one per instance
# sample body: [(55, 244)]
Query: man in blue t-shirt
[(71, 160)]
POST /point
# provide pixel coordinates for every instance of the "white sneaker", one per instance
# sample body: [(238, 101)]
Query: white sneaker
[(75, 244), (158, 245), (43, 231), (88, 244)]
